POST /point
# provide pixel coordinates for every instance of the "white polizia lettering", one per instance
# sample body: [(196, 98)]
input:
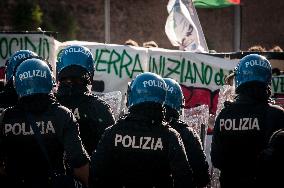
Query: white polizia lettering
[(242, 124), (144, 143), (254, 62), (23, 129), (169, 89), (21, 56), (32, 73), (154, 83), (77, 50)]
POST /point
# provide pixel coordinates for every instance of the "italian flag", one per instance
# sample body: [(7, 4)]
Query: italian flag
[(215, 3)]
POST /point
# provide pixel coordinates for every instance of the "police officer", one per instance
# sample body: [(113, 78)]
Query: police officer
[(243, 128), (174, 104), (25, 163), (8, 97), (75, 70), (140, 150)]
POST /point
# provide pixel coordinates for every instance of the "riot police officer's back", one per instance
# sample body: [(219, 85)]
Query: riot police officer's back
[(140, 150), (75, 69), (243, 128), (174, 104), (25, 162)]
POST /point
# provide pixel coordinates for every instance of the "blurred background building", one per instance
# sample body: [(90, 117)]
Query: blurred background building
[(144, 20)]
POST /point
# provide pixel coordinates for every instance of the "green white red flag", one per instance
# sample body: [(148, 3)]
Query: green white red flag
[(215, 3)]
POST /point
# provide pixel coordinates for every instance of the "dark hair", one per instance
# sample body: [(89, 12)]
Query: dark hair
[(150, 44), (256, 48), (276, 49), (256, 90)]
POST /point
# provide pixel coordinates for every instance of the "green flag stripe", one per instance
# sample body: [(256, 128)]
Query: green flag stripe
[(212, 3)]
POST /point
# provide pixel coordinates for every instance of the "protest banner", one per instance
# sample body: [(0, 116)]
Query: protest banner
[(201, 75), (45, 46), (278, 84), (278, 89)]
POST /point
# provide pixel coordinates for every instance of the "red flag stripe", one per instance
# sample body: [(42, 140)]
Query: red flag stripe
[(235, 1)]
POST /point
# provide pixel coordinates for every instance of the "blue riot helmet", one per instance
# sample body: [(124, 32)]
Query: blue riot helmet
[(33, 76), (146, 87), (253, 67), (75, 61), (174, 98), (15, 60)]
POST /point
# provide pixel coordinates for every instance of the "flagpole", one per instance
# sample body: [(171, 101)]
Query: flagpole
[(237, 28), (107, 21)]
